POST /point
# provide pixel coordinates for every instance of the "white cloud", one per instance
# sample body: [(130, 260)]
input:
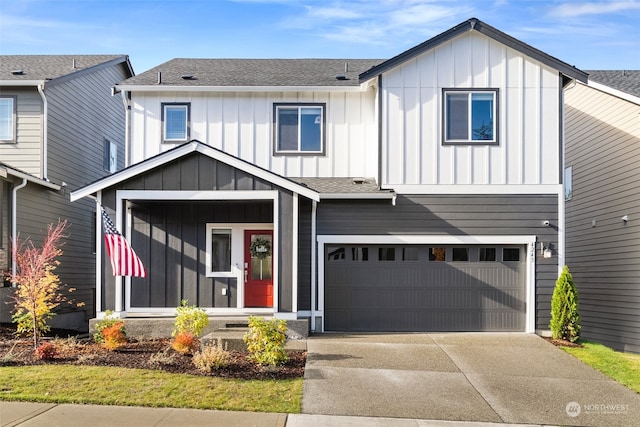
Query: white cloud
[(594, 8)]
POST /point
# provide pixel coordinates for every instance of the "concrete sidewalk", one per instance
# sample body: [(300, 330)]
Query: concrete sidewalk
[(51, 415)]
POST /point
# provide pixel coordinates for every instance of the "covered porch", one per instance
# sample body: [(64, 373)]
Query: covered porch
[(211, 229)]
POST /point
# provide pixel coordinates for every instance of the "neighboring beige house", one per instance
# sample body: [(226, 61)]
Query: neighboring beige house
[(603, 204), (60, 127)]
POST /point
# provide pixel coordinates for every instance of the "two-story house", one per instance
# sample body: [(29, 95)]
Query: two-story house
[(60, 128), (419, 193), (603, 204)]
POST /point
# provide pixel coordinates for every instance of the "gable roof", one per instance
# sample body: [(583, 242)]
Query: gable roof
[(254, 73), (479, 26), (627, 81), (183, 150), (30, 70)]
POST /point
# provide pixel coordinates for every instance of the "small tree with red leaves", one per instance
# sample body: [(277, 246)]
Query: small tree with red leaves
[(37, 287)]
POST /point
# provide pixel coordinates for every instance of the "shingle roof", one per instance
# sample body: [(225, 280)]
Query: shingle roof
[(255, 72), (487, 30), (48, 67), (341, 185), (623, 80)]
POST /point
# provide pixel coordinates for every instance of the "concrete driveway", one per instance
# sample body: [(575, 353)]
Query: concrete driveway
[(484, 377)]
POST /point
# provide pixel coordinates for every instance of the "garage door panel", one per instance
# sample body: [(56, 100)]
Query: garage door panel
[(424, 295)]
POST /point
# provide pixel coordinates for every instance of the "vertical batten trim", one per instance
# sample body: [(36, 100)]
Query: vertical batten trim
[(99, 260), (294, 255), (314, 261)]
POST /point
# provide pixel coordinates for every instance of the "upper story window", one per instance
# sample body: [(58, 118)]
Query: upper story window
[(7, 119), (175, 122), (299, 128), (470, 117)]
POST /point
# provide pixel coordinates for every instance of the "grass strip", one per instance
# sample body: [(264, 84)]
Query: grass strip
[(622, 367), (139, 387)]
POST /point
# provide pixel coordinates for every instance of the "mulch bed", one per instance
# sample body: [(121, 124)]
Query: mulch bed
[(154, 354), (563, 343)]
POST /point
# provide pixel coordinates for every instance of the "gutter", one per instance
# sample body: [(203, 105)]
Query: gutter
[(359, 196), (14, 227), (45, 119), (179, 88)]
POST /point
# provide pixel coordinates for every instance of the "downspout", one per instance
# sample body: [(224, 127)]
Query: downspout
[(562, 247), (14, 225), (127, 124), (379, 104), (45, 111)]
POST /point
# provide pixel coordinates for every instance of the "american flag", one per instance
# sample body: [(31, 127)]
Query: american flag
[(124, 260)]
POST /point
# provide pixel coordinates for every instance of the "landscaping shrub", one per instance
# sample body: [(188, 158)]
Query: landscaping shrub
[(46, 351), (162, 358), (565, 319), (104, 323), (265, 340), (185, 343), (114, 336), (190, 319), (212, 357)]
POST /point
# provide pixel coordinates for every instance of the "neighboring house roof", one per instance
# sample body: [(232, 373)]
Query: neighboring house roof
[(627, 81), (6, 170), (184, 72), (185, 149), (487, 30), (35, 69), (346, 188)]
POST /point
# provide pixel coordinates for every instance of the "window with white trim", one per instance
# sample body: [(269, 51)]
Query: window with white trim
[(470, 117), (218, 251), (175, 122), (299, 128), (8, 119)]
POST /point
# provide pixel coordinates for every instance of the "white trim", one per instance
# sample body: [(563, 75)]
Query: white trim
[(614, 92), (314, 212), (22, 82), (529, 241), (176, 88), (276, 252), (197, 195), (209, 227), (183, 150), (475, 189), (126, 195), (98, 237), (359, 196), (294, 255)]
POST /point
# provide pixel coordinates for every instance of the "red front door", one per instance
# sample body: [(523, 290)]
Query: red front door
[(258, 268)]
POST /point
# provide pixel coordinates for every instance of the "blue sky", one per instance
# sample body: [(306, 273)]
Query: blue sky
[(595, 34)]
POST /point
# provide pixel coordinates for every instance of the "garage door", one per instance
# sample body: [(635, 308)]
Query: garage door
[(424, 288)]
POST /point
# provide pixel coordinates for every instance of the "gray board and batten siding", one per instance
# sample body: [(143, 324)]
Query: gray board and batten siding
[(603, 251), (456, 215), (170, 236)]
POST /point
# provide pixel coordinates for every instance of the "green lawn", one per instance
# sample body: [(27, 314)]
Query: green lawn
[(138, 387), (622, 367)]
